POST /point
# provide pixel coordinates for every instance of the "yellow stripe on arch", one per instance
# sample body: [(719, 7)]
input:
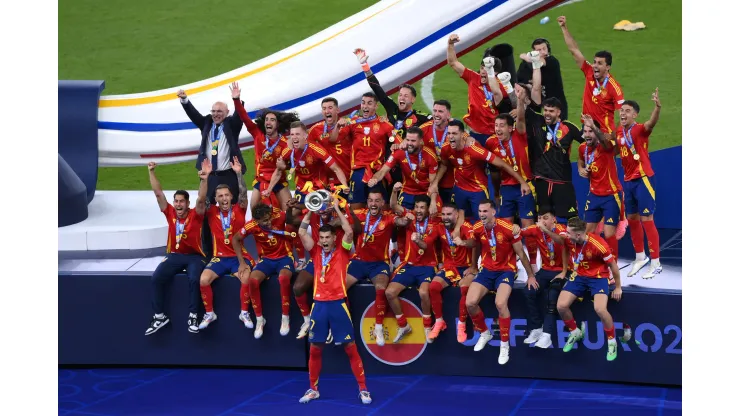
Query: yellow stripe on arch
[(125, 102), (415, 337)]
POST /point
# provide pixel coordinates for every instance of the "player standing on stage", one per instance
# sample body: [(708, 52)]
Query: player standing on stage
[(419, 264), (460, 261), (499, 247), (469, 163), (368, 135), (550, 138), (267, 226), (435, 136), (327, 135), (329, 311), (370, 260), (183, 253), (486, 94), (602, 95), (549, 279), (604, 200), (510, 145), (639, 184), (224, 220), (592, 262)]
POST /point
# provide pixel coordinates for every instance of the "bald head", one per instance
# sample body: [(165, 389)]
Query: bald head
[(219, 111)]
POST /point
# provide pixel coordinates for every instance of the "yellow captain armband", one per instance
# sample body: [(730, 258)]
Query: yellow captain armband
[(346, 245)]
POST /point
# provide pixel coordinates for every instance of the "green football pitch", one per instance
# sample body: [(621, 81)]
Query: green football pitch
[(139, 46)]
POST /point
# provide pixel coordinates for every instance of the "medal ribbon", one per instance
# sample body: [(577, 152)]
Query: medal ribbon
[(278, 232), (408, 159), (370, 230), (628, 139), (492, 240), (364, 119), (554, 132), (449, 240), (550, 245), (488, 94), (292, 153), (577, 261), (511, 150), (225, 222), (325, 259), (269, 149), (215, 135), (327, 129), (422, 230), (179, 229), (602, 86), (438, 144), (589, 159)]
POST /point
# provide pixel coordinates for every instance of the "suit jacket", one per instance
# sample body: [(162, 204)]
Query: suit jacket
[(232, 127)]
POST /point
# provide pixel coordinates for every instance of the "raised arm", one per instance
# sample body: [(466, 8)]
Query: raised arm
[(570, 42), (156, 187), (537, 85), (493, 82), (650, 124), (239, 109), (452, 56), (521, 108), (306, 239), (391, 108), (205, 171), (243, 193), (604, 139), (378, 176), (556, 238), (197, 118), (395, 207), (339, 174), (348, 237)]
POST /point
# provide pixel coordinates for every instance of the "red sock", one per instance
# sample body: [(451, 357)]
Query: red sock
[(463, 308), (356, 363), (244, 296), (609, 332), (638, 239), (302, 302), (285, 291), (254, 292), (531, 250), (479, 321), (427, 320), (653, 239), (613, 245), (401, 320), (206, 293), (381, 304), (435, 293), (314, 366), (504, 324), (571, 325)]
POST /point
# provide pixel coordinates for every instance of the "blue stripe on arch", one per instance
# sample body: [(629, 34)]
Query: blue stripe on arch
[(398, 57)]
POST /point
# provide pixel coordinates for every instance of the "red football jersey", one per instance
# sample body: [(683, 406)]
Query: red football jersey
[(601, 107), (595, 253), (273, 243), (373, 245), (482, 111), (331, 285), (415, 169), (368, 142), (310, 165), (498, 255), (414, 255), (316, 222), (515, 152), (469, 166), (634, 169), (550, 251), (223, 227), (603, 178), (190, 232), (341, 151), (463, 255), (435, 139), (264, 162)]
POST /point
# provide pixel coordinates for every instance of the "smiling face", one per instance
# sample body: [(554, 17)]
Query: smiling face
[(368, 106), (421, 210), (219, 111), (576, 237), (590, 136), (330, 111), (406, 99), (487, 213), (375, 202), (454, 135), (449, 217), (271, 123), (503, 129), (441, 115), (223, 197), (413, 143), (601, 69), (627, 115), (551, 114), (181, 205), (298, 137), (327, 240)]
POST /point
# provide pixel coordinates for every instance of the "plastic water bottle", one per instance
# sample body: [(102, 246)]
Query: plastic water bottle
[(544, 20)]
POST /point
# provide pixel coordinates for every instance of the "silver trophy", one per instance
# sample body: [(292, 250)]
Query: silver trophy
[(318, 201)]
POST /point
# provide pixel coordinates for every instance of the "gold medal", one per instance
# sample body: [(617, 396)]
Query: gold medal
[(636, 157), (552, 262), (421, 251), (322, 280), (227, 241), (392, 138), (516, 168), (177, 246), (214, 152), (292, 235)]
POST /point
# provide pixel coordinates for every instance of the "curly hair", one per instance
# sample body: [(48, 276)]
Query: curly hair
[(284, 119), (260, 211)]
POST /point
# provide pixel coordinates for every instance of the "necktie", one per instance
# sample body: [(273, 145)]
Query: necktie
[(214, 158)]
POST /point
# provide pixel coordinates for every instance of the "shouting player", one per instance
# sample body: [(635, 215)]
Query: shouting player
[(549, 279), (327, 135), (435, 136), (419, 263), (592, 262), (183, 253), (224, 221), (602, 95), (459, 267), (499, 248), (639, 184), (596, 163), (329, 309), (267, 226)]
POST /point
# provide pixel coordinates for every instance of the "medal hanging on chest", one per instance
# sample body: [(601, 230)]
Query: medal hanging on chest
[(270, 148), (292, 160), (226, 225), (369, 230), (421, 230), (179, 231), (215, 137), (453, 247), (630, 143), (492, 242), (325, 259)]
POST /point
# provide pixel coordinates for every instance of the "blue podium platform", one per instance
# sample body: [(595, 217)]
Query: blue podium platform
[(103, 316)]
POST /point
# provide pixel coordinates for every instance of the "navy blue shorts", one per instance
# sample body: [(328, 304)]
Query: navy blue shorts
[(362, 270), (409, 275), (469, 201), (273, 267), (452, 278), (299, 196), (276, 189), (445, 194), (607, 207), (639, 196), (309, 267), (407, 200), (512, 202), (358, 190), (225, 265), (579, 285), (331, 314), (492, 280)]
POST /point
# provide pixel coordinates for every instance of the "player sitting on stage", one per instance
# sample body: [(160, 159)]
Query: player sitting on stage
[(329, 309), (459, 260), (592, 261), (419, 264), (224, 220), (267, 226), (498, 245)]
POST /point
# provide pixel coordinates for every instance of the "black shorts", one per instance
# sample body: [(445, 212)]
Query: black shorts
[(558, 198)]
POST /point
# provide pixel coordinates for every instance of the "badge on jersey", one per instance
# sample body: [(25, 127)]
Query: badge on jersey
[(366, 130)]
